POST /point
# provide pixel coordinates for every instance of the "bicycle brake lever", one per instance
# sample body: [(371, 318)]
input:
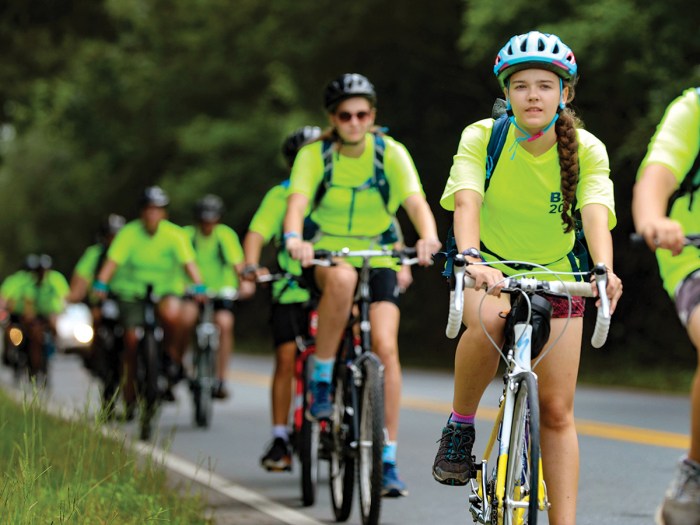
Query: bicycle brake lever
[(601, 281)]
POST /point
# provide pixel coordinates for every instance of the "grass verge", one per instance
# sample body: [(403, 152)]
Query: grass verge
[(67, 471)]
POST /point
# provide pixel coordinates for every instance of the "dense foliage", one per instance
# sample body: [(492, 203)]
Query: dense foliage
[(98, 99)]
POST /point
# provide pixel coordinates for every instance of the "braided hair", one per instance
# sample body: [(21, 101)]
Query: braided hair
[(567, 148)]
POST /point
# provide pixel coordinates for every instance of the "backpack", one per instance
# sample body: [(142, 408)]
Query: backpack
[(691, 181), (579, 256), (378, 180)]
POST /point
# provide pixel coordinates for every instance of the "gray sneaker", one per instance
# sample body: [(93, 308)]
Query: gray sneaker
[(454, 463), (681, 506)]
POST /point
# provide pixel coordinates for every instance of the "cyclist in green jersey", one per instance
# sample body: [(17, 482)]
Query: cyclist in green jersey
[(288, 315), (219, 256), (42, 297), (105, 367), (526, 215), (352, 213), (672, 153), (92, 258), (150, 250)]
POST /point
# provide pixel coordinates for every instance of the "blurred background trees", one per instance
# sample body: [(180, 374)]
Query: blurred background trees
[(100, 98)]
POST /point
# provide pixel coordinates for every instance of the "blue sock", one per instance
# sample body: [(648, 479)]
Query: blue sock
[(456, 417), (323, 370), (389, 452)]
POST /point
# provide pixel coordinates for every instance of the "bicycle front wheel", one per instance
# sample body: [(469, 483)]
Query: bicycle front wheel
[(371, 442), (148, 364), (342, 457), (308, 438), (203, 386), (521, 503)]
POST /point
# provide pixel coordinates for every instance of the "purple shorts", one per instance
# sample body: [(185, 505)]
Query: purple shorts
[(560, 306)]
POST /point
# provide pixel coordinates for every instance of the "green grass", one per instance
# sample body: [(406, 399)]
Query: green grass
[(56, 471)]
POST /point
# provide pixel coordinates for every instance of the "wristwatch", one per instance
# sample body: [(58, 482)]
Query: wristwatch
[(473, 252)]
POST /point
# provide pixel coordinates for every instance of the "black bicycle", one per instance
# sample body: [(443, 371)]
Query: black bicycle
[(204, 357), (107, 349), (355, 436), (149, 363)]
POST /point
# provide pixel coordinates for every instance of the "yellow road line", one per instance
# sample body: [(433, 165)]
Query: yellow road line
[(584, 427)]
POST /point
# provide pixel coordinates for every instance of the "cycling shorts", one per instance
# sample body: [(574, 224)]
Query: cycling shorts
[(383, 284), (288, 321), (560, 306), (688, 296)]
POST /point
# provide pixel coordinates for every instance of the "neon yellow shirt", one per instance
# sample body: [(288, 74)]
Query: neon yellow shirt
[(354, 219), (268, 221), (156, 259), (47, 297), (521, 212), (216, 256), (675, 145), (87, 265), (11, 290)]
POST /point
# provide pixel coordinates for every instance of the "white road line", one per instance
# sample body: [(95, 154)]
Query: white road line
[(225, 487)]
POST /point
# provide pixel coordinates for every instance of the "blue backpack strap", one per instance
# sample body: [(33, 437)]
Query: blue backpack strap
[(499, 132)]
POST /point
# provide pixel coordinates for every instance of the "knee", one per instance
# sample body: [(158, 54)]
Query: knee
[(225, 321), (341, 283), (556, 414)]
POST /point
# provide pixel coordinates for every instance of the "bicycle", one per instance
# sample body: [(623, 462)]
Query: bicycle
[(514, 491), (149, 363), (304, 435), (204, 358), (107, 350), (355, 435)]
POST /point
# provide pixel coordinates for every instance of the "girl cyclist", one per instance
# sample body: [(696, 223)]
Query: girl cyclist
[(526, 215), (351, 210)]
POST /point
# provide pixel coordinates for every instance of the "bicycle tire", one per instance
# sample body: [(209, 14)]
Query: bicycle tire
[(371, 441), (308, 440), (149, 363), (522, 467), (342, 457), (308, 457), (203, 387)]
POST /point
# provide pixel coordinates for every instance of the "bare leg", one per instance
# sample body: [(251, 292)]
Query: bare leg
[(560, 455), (384, 319), (225, 321), (338, 285), (281, 391), (694, 333)]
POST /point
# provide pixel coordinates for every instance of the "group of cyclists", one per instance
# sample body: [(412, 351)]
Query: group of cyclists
[(345, 185)]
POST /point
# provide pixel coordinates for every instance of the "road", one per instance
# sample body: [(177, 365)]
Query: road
[(629, 442)]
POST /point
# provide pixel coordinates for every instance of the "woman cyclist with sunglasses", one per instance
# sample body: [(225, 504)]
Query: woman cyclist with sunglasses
[(526, 215), (349, 210)]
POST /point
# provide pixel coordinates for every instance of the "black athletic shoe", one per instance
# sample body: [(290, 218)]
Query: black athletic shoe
[(454, 463)]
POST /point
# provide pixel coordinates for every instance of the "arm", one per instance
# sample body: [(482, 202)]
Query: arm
[(597, 232), (467, 231), (107, 271), (79, 287), (294, 224), (649, 202), (423, 220)]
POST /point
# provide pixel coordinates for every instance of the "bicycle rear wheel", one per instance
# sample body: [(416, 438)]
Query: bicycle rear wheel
[(371, 441), (342, 457), (521, 503)]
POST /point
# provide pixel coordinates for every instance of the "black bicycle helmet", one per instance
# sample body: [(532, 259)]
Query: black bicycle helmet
[(209, 208), (154, 196), (347, 86), (111, 225), (294, 142)]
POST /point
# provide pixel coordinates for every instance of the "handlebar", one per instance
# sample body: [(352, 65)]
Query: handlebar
[(690, 240), (533, 285), (406, 256)]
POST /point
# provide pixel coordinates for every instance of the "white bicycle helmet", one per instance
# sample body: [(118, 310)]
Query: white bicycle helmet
[(535, 49)]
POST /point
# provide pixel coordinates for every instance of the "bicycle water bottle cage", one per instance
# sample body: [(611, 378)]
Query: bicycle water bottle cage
[(540, 320)]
